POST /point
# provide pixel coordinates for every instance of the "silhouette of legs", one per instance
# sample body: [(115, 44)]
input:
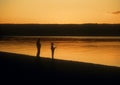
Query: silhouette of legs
[(38, 52), (38, 44), (52, 54), (52, 49)]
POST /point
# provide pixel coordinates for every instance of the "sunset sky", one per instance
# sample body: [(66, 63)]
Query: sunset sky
[(60, 11)]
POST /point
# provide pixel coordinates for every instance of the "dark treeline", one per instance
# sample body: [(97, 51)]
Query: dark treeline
[(60, 29)]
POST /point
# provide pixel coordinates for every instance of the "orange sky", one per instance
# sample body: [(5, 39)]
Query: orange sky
[(60, 11)]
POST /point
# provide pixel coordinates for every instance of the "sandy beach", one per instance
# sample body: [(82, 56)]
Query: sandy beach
[(24, 67)]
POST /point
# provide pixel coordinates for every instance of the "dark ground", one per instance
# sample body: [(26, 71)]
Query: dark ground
[(15, 67)]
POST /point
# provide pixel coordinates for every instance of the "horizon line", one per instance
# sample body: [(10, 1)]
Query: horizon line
[(63, 23)]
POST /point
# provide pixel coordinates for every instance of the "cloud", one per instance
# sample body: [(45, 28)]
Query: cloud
[(116, 12)]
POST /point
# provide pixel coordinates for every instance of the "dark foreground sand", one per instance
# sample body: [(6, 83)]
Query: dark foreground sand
[(24, 67)]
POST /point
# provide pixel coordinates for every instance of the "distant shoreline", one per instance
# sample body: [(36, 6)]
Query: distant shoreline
[(64, 38), (59, 29), (74, 37)]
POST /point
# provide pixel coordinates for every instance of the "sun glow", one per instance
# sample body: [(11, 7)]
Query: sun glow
[(59, 11)]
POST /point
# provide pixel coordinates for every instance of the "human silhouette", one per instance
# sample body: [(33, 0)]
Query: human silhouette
[(38, 44), (52, 50)]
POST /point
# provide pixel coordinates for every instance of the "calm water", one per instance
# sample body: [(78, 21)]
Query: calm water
[(100, 50)]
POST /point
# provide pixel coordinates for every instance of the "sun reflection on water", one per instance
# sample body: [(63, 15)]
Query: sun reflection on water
[(106, 53)]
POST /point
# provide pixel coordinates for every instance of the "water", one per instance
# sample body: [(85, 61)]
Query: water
[(99, 50)]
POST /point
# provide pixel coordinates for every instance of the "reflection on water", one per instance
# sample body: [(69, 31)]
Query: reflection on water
[(91, 50)]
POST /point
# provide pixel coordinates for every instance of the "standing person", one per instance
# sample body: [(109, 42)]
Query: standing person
[(38, 44), (52, 50)]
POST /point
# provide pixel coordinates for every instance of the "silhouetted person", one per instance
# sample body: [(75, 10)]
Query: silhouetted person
[(52, 50), (38, 44)]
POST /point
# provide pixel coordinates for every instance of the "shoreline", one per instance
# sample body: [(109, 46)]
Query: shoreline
[(29, 69), (73, 37), (20, 59)]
